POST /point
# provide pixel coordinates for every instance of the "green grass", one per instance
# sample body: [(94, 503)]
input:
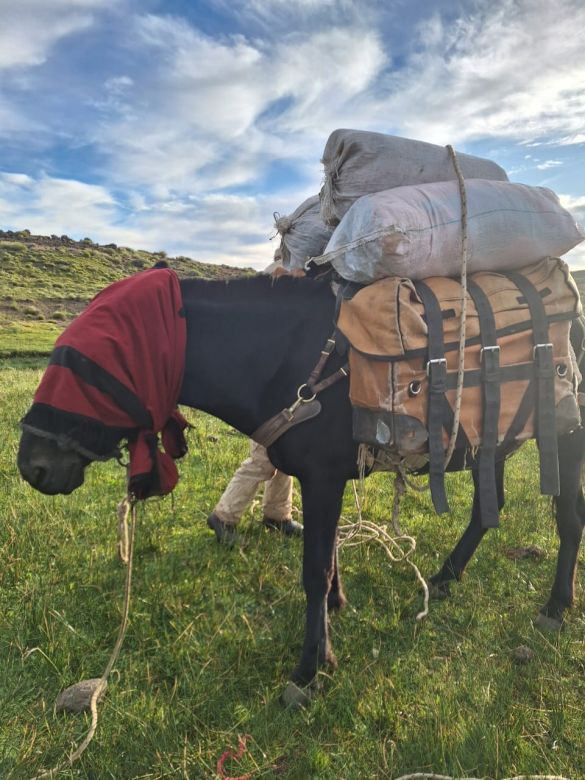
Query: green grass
[(214, 632), (44, 284)]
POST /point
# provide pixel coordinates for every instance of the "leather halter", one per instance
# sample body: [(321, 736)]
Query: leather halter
[(306, 405)]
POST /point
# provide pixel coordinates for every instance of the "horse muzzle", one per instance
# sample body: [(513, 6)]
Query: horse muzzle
[(47, 468)]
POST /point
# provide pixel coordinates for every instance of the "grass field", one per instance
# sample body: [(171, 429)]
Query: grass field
[(214, 632), (45, 282)]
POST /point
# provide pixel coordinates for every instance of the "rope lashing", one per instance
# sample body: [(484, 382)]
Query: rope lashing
[(282, 223), (464, 252)]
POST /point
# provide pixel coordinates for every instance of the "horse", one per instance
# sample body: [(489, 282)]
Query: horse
[(251, 343)]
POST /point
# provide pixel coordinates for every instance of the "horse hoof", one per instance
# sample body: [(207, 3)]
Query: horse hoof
[(547, 623), (439, 591), (336, 602), (296, 698)]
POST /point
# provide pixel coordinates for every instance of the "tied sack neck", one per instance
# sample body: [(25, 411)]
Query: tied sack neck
[(117, 371)]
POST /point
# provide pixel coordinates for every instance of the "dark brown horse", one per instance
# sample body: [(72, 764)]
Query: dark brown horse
[(250, 344)]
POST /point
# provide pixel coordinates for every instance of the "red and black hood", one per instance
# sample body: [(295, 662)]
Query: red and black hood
[(116, 372)]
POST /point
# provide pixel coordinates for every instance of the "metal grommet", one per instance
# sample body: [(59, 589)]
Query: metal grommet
[(561, 370), (414, 388)]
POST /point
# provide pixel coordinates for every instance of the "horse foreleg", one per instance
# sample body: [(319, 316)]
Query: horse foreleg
[(321, 508), (461, 554), (570, 517)]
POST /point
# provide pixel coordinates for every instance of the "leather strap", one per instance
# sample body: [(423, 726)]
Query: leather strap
[(490, 390), (276, 426), (437, 373), (546, 435), (304, 408)]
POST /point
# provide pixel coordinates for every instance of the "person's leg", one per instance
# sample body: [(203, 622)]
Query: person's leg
[(240, 493), (277, 505)]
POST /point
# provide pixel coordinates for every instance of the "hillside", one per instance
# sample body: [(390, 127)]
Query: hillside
[(46, 280)]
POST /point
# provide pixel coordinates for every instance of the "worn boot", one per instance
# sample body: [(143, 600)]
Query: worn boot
[(224, 533), (288, 527)]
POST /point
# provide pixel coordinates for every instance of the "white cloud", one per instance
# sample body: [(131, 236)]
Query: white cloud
[(543, 166), (30, 28), (512, 69), (215, 228), (201, 119), (48, 205)]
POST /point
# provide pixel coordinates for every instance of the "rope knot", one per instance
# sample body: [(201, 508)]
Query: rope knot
[(282, 223)]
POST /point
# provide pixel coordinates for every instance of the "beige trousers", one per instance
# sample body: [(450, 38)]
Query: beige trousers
[(243, 486)]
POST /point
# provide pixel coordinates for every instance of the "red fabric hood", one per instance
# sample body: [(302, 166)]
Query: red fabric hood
[(117, 370)]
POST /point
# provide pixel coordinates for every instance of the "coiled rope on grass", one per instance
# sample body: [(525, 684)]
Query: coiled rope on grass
[(398, 546)]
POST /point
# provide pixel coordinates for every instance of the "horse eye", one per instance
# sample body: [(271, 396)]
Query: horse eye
[(414, 388), (562, 370)]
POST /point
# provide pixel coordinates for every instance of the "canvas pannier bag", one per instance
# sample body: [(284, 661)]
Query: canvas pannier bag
[(520, 376), (303, 233), (357, 162), (416, 231)]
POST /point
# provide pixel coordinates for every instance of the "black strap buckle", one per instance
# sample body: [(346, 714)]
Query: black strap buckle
[(490, 363), (437, 373), (543, 359)]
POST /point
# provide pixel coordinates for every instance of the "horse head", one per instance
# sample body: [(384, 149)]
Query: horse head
[(49, 465), (115, 373)]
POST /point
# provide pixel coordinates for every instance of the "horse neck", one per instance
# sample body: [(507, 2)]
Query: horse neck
[(251, 344)]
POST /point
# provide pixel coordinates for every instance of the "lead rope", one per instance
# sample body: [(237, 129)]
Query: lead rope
[(461, 368), (125, 508)]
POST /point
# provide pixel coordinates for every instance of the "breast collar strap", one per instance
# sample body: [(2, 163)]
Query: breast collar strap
[(306, 406)]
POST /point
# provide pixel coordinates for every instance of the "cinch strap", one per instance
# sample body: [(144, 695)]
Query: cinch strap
[(546, 435), (437, 373), (490, 390)]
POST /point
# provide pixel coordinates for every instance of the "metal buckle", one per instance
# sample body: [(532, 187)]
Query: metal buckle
[(541, 346), (495, 348), (300, 399), (435, 361)]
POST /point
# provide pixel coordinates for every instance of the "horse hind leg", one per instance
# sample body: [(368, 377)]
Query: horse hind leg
[(455, 563), (336, 597), (570, 518)]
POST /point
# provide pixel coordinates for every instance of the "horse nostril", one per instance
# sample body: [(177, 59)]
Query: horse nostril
[(38, 474)]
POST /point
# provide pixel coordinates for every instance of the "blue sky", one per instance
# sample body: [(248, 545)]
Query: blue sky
[(183, 125)]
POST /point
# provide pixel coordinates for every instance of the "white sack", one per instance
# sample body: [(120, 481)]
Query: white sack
[(304, 234), (415, 231), (358, 163)]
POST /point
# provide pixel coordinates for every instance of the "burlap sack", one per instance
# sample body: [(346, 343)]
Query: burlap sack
[(416, 231), (304, 234), (358, 163)]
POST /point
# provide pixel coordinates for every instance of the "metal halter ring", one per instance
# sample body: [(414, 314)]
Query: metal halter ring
[(300, 396)]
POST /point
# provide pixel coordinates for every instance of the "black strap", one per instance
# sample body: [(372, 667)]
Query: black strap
[(96, 376), (437, 373), (490, 390), (519, 422), (546, 435)]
